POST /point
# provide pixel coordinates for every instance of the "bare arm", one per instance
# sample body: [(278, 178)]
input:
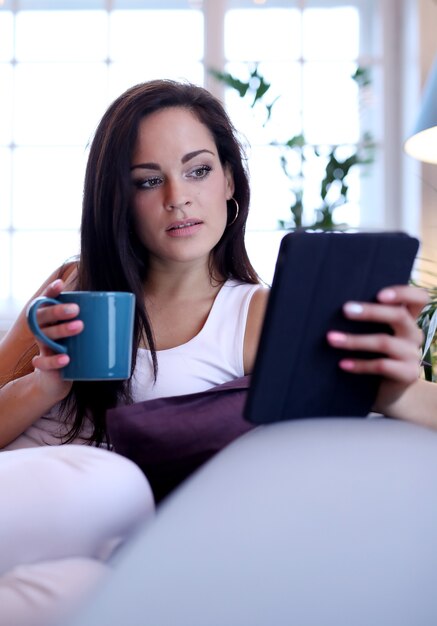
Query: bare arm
[(22, 402), (19, 340), (30, 391), (402, 394), (255, 319), (418, 404)]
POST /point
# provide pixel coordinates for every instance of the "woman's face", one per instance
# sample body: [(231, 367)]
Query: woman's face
[(180, 187)]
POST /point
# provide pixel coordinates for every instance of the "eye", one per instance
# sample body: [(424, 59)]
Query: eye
[(148, 183), (200, 172)]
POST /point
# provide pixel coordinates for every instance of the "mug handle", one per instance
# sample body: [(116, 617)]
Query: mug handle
[(34, 326)]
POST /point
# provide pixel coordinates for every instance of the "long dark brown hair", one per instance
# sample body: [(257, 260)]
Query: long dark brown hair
[(112, 257)]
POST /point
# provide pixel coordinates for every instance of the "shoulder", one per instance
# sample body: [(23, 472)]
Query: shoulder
[(261, 296), (242, 290), (68, 272), (257, 310), (254, 296), (255, 319)]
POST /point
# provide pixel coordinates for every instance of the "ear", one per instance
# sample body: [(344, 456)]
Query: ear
[(230, 186)]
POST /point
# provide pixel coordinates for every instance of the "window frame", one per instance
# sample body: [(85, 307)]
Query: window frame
[(397, 22)]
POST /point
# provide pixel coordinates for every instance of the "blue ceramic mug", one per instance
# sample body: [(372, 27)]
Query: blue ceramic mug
[(103, 350)]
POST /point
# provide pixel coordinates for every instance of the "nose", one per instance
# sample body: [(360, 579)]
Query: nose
[(178, 205), (176, 197)]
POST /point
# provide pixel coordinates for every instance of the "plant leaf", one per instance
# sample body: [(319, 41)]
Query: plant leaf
[(269, 108), (432, 327), (231, 81), (298, 141), (362, 76)]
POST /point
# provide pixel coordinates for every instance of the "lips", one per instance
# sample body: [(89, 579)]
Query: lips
[(182, 224)]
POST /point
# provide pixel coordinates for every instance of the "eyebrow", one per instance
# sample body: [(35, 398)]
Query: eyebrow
[(187, 157)]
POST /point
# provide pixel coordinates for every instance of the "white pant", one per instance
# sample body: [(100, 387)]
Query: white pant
[(63, 511), (44, 593)]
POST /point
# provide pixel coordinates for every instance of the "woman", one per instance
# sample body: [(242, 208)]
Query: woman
[(165, 206), (142, 191), (164, 213)]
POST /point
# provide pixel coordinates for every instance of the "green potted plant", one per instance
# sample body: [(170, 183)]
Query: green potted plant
[(333, 185), (427, 321), (338, 160)]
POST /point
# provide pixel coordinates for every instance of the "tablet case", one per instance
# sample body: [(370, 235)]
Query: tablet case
[(296, 372)]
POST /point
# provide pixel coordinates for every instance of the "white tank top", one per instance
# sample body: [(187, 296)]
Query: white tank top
[(212, 357)]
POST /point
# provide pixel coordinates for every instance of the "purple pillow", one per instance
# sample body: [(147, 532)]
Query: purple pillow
[(171, 437)]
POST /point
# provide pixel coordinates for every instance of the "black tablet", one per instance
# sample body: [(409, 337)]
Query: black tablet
[(296, 372)]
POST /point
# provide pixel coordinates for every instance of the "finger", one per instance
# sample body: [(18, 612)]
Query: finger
[(414, 298), (398, 317), (61, 331), (54, 313), (388, 345), (55, 288), (53, 362), (399, 371)]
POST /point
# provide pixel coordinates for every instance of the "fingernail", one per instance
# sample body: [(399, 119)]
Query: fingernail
[(71, 308), (63, 359), (336, 337), (56, 282), (74, 325), (387, 294), (347, 364), (353, 308)]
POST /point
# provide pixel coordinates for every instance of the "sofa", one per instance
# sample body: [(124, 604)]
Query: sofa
[(310, 522)]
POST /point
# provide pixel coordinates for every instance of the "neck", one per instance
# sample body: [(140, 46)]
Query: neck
[(180, 280)]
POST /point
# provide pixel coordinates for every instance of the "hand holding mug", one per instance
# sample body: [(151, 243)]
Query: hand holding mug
[(97, 345), (57, 322)]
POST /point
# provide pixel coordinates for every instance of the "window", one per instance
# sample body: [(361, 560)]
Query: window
[(62, 62), (308, 53)]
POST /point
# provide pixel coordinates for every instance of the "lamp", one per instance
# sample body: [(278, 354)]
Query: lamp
[(422, 144)]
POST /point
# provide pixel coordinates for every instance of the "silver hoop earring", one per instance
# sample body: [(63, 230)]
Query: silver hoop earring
[(237, 210)]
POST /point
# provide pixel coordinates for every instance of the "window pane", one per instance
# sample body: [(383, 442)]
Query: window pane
[(248, 122), (262, 248), (5, 188), (5, 265), (58, 104), (6, 103), (350, 212), (270, 189), (61, 35), (330, 103), (156, 35), (370, 28), (284, 94), (73, 57), (47, 187), (371, 103), (48, 250), (254, 34), (124, 75), (6, 36), (331, 33), (371, 199), (43, 5), (156, 4)]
